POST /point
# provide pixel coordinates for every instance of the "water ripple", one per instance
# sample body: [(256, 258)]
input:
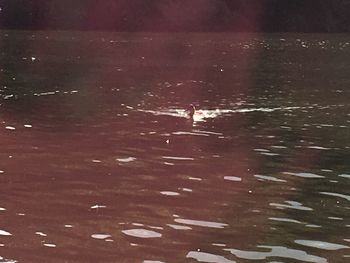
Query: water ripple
[(200, 223), (100, 236), (179, 227), (141, 233), (269, 178), (347, 197), (126, 159), (320, 244), (190, 133), (292, 205), (178, 158), (277, 251), (51, 245), (345, 175), (233, 178), (305, 175), (285, 220), (169, 193), (207, 257)]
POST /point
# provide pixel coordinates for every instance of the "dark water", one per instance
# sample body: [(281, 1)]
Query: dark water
[(98, 162)]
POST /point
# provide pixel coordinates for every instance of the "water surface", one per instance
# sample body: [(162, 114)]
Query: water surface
[(100, 163)]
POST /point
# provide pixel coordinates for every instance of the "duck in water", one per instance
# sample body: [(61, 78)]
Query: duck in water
[(201, 115), (191, 110)]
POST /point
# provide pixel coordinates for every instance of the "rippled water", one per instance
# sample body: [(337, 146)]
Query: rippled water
[(99, 161)]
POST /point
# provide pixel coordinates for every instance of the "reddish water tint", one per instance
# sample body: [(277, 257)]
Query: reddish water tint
[(98, 162)]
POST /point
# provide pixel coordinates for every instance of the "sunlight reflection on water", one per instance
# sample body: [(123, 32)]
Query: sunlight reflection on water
[(142, 233), (277, 251), (207, 257), (320, 244), (200, 223)]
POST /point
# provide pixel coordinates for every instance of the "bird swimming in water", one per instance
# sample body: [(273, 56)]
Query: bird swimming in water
[(191, 111), (200, 115)]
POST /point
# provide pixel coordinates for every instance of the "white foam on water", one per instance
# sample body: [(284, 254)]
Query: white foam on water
[(201, 115), (277, 251)]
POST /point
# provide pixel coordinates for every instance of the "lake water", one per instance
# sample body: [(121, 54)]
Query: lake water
[(99, 162)]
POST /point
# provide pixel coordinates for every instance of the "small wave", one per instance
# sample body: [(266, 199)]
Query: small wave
[(277, 251), (200, 223), (320, 244), (142, 233), (202, 115), (207, 257)]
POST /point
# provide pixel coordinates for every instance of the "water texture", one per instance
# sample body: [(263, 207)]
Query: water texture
[(100, 161)]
